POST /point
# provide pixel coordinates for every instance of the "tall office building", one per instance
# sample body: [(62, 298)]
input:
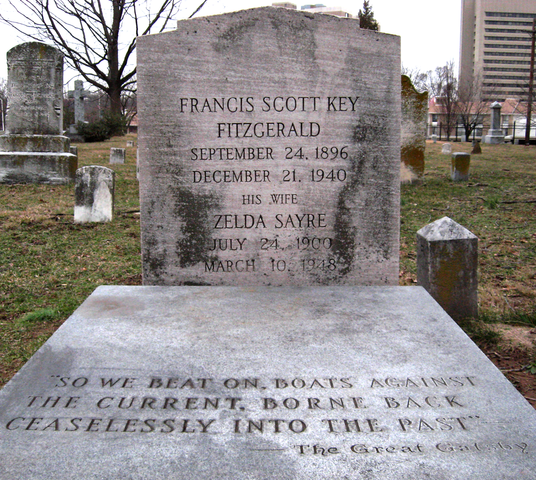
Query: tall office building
[(496, 46)]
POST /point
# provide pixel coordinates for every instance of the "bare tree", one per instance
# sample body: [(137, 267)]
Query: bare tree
[(419, 79), (3, 103), (471, 106), (443, 85), (98, 37)]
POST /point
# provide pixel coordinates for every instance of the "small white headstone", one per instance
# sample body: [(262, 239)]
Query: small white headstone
[(117, 155), (94, 194)]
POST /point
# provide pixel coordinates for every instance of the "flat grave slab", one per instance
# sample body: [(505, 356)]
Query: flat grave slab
[(263, 383)]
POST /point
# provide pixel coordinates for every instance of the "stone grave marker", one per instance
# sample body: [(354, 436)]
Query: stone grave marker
[(495, 133), (477, 148), (414, 125), (94, 194), (34, 149), (292, 382), (446, 149), (274, 161), (460, 165), (278, 383), (447, 266), (117, 155), (79, 95)]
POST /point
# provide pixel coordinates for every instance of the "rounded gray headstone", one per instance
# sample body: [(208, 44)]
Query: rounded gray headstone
[(94, 194)]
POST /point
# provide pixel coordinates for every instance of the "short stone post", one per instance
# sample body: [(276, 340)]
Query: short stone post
[(477, 149), (447, 261), (94, 194), (117, 155), (459, 171)]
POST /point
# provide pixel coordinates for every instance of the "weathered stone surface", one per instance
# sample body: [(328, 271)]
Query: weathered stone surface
[(263, 383), (269, 151), (94, 194), (37, 167), (35, 90), (117, 155), (33, 151), (79, 95), (34, 143), (414, 125), (460, 165), (447, 266), (446, 149)]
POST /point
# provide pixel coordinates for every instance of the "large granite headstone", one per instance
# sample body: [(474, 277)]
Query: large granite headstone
[(269, 150), (414, 125), (258, 383), (34, 149)]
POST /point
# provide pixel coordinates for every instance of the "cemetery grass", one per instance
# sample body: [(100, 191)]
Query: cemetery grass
[(498, 205), (49, 265)]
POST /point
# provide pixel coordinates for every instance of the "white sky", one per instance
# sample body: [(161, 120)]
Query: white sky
[(430, 29)]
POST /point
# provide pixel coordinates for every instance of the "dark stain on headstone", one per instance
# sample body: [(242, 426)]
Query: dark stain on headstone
[(292, 35), (195, 210), (235, 37)]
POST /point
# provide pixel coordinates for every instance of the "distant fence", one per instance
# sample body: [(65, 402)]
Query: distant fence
[(513, 133)]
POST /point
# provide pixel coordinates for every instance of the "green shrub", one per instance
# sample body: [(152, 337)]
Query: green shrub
[(103, 129)]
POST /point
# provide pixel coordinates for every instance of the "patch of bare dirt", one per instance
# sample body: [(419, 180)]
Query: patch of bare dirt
[(513, 355)]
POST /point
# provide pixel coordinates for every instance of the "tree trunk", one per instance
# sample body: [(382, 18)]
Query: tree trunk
[(114, 92)]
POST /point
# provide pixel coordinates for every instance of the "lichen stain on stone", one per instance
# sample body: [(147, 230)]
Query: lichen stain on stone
[(451, 267), (296, 38), (84, 195), (369, 129), (235, 36), (461, 165), (154, 256), (194, 210), (344, 245), (413, 157), (414, 123)]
